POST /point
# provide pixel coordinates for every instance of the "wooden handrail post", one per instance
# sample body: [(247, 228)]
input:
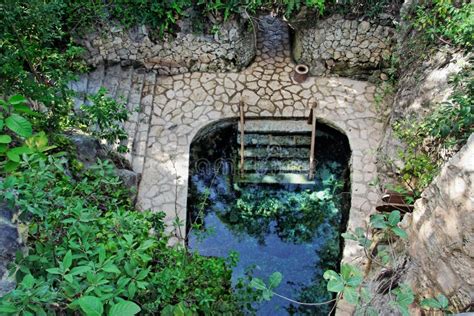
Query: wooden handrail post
[(242, 134), (312, 163)]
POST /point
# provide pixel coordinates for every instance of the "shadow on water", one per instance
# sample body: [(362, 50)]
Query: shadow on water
[(294, 229)]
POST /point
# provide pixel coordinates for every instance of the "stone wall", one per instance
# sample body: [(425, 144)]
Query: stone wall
[(230, 49), (441, 232), (337, 45), (10, 243)]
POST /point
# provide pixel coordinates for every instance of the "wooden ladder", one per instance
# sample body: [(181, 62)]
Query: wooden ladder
[(312, 121), (242, 134)]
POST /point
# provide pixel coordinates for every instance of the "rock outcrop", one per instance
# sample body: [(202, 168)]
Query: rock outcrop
[(10, 243), (441, 233)]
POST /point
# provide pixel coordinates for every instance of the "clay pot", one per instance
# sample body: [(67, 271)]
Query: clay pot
[(301, 73), (394, 201)]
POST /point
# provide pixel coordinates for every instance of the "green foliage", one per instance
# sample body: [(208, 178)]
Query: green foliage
[(404, 298), (104, 118), (287, 8), (297, 214), (38, 58), (220, 10), (439, 302), (358, 235), (160, 16), (266, 290), (369, 8), (445, 129), (90, 251), (345, 282), (388, 223), (16, 133), (444, 21)]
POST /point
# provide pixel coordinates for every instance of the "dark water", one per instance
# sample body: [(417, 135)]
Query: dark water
[(292, 229)]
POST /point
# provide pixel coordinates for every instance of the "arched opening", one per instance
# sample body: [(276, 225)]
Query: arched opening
[(271, 214)]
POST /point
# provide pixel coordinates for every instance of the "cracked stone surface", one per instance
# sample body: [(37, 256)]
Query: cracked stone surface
[(172, 109)]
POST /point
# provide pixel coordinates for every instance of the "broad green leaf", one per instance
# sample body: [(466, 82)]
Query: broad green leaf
[(142, 274), (394, 218), (258, 284), (330, 274), (5, 139), (335, 285), (349, 236), (167, 311), (430, 303), (11, 166), (346, 271), (28, 281), (399, 232), (378, 221), (443, 301), (275, 280), (404, 295), (17, 99), (15, 153), (181, 310), (102, 254), (54, 271), (111, 268), (79, 270), (7, 308), (2, 122), (24, 109), (67, 260), (91, 305), (146, 244), (351, 295), (132, 289), (354, 281), (124, 308), (69, 278), (19, 125), (267, 294)]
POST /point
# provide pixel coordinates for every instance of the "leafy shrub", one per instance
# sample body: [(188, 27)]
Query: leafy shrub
[(88, 250), (444, 21), (104, 118), (16, 133), (37, 57), (444, 130)]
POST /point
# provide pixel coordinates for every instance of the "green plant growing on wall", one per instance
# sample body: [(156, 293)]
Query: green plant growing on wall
[(404, 298), (38, 59), (89, 251), (16, 133), (388, 224), (345, 283), (104, 118), (447, 22), (443, 130), (440, 302)]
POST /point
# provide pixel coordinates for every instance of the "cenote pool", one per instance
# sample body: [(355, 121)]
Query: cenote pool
[(292, 227)]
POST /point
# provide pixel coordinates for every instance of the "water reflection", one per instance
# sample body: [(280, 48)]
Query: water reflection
[(287, 228)]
